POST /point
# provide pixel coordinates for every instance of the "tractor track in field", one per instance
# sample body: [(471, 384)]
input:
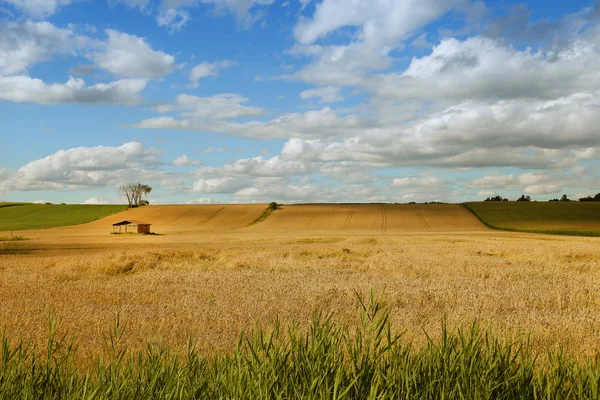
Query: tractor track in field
[(211, 216), (349, 217), (280, 217), (422, 218), (182, 215), (314, 217), (384, 218)]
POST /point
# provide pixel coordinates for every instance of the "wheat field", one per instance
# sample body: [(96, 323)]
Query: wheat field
[(210, 273)]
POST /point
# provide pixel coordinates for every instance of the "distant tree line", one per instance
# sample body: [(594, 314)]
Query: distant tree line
[(528, 198), (590, 198)]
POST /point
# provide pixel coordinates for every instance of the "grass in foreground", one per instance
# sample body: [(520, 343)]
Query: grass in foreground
[(327, 361), (558, 218), (40, 216)]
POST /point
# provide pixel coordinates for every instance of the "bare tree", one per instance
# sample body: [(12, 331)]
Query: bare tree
[(134, 192)]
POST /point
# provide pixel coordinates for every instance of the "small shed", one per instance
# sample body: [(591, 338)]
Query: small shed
[(131, 226)]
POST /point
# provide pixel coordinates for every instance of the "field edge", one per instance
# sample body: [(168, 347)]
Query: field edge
[(558, 232)]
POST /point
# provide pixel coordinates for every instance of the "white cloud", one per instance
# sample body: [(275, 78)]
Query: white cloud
[(419, 181), (491, 182), (483, 68), (206, 69), (257, 167), (38, 9), (203, 113), (103, 200), (217, 185), (325, 123), (172, 19), (202, 200), (327, 94), (85, 167), (25, 89), (25, 44), (185, 160), (547, 188), (380, 26), (129, 55)]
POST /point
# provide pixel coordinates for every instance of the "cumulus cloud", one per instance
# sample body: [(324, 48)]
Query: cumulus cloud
[(174, 20), (202, 200), (380, 27), (484, 68), (103, 200), (184, 160), (202, 113), (129, 55), (419, 181), (217, 185), (206, 69), (26, 89), (327, 94), (25, 44), (85, 167), (38, 9), (258, 167)]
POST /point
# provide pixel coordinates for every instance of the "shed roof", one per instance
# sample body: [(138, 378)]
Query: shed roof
[(130, 222)]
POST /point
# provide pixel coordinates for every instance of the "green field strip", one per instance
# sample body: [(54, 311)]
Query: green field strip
[(42, 216), (515, 216)]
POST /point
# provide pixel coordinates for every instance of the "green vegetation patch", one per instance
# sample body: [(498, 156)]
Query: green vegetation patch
[(12, 238), (327, 361), (40, 216), (557, 218), (265, 214)]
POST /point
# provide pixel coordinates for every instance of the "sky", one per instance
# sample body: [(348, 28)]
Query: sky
[(299, 101)]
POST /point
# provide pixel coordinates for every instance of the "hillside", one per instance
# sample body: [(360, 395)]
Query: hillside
[(228, 216), (567, 218), (21, 216), (372, 217)]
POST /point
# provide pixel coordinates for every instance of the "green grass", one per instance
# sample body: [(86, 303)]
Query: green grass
[(12, 238), (265, 214), (328, 361), (559, 218), (14, 217)]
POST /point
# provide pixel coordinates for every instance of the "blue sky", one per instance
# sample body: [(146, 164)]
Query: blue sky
[(214, 101)]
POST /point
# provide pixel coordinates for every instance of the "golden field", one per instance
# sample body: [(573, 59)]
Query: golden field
[(210, 273)]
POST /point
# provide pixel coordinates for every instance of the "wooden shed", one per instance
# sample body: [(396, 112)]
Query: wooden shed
[(131, 226)]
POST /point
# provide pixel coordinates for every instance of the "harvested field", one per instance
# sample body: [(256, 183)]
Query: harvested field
[(168, 219), (212, 281), (372, 217)]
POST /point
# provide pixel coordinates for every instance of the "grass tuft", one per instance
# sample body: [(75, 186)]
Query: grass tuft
[(328, 360)]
